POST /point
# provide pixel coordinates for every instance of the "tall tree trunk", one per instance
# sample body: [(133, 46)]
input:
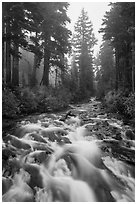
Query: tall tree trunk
[(62, 69), (128, 77), (133, 67), (15, 68), (34, 80), (36, 58), (45, 78), (3, 50), (8, 56), (117, 69), (56, 77), (133, 78)]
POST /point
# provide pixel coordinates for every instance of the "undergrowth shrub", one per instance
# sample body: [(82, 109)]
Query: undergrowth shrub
[(47, 104), (121, 102), (28, 101), (39, 99), (130, 106), (55, 100), (63, 97), (10, 104)]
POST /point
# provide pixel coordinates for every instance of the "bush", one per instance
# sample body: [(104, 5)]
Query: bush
[(28, 101), (40, 99), (57, 99), (63, 97), (10, 104), (121, 102), (130, 106), (47, 104)]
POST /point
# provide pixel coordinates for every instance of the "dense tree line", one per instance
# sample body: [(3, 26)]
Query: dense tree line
[(41, 28), (36, 27), (115, 64), (119, 28), (105, 69)]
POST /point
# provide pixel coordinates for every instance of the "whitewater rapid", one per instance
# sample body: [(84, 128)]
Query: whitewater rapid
[(57, 160)]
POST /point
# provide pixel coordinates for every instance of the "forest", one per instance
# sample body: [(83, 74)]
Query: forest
[(68, 115), (40, 29)]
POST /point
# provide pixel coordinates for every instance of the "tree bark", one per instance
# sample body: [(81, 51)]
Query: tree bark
[(3, 50), (36, 58), (34, 79), (128, 77), (8, 56), (133, 67), (56, 77), (15, 68), (117, 71), (45, 78)]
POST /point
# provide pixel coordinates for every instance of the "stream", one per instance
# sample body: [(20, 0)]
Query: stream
[(81, 155)]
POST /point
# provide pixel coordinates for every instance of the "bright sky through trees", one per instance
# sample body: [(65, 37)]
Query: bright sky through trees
[(96, 11)]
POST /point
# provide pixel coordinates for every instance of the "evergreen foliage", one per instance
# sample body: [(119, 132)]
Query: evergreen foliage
[(85, 71), (83, 42), (74, 74), (105, 69), (36, 27), (83, 34), (55, 35), (119, 28)]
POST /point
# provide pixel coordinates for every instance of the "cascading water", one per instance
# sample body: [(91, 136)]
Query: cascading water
[(65, 162)]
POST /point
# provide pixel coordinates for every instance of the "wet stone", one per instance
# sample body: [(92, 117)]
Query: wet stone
[(118, 136), (130, 135)]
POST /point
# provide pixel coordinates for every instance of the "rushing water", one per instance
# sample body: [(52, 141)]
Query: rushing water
[(58, 159)]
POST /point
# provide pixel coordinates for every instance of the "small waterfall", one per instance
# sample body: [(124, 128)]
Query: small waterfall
[(65, 188)]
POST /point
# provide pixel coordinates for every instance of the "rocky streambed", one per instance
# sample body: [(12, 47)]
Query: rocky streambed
[(81, 155)]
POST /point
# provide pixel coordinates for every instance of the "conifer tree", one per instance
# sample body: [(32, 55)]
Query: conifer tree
[(45, 23), (119, 27), (83, 43), (55, 35), (17, 21), (74, 74), (105, 72), (83, 33)]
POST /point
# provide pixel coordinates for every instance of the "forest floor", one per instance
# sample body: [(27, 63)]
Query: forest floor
[(115, 139)]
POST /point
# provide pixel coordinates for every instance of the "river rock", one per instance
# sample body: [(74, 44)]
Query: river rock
[(17, 142), (117, 136), (6, 184), (29, 128), (37, 137), (7, 152), (129, 134), (63, 140)]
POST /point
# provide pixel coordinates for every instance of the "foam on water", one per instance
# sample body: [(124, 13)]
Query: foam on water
[(67, 189), (75, 172), (19, 191), (77, 134), (73, 121), (123, 172)]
